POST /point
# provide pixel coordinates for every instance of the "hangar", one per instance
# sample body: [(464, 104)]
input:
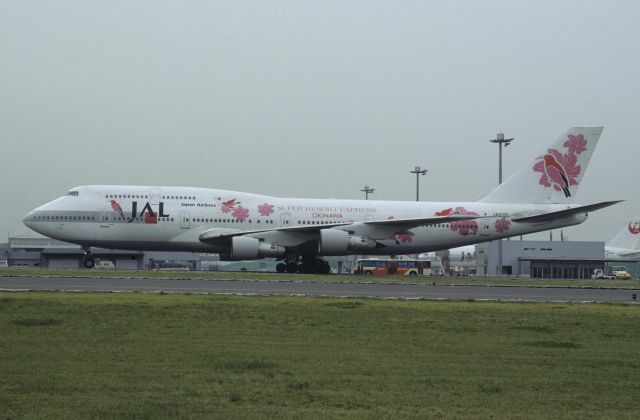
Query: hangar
[(546, 259)]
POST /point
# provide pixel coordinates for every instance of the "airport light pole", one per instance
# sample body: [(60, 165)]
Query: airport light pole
[(367, 191), (500, 140), (418, 171)]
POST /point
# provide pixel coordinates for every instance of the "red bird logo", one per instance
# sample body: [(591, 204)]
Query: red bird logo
[(116, 207), (556, 173), (634, 228), (444, 212), (229, 203)]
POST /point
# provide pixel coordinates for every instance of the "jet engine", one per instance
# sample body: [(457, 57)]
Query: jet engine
[(247, 248), (340, 242)]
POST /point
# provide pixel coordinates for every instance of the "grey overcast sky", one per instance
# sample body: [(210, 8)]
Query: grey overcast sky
[(314, 98)]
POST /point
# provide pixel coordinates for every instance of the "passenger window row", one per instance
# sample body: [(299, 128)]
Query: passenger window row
[(177, 197), (164, 197), (207, 220), (64, 217), (126, 196)]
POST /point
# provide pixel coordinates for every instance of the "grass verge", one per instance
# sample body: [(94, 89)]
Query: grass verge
[(148, 356)]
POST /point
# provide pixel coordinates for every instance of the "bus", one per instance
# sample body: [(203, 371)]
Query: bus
[(392, 267)]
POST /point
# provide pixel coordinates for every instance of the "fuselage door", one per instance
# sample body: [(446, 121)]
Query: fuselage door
[(104, 219), (285, 219), (154, 196), (185, 223), (485, 227)]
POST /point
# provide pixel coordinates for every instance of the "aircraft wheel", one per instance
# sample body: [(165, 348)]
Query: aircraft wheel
[(89, 262), (281, 267), (292, 267)]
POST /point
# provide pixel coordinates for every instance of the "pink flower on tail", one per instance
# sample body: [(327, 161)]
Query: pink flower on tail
[(576, 144), (240, 213), (561, 171), (265, 209), (558, 170), (502, 225)]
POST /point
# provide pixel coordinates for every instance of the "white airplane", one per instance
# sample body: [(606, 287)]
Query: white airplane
[(626, 244), (299, 231)]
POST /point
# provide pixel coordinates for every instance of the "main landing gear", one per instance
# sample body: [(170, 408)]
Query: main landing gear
[(88, 260), (305, 265)]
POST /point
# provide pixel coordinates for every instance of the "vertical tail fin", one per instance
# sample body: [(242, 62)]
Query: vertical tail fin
[(628, 237), (555, 174)]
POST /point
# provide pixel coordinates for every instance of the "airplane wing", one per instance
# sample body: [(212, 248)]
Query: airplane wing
[(420, 221), (218, 235), (547, 217)]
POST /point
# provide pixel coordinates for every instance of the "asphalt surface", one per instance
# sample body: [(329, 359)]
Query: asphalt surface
[(293, 288)]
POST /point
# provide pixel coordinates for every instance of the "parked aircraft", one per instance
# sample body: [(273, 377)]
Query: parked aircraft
[(299, 231), (626, 244)]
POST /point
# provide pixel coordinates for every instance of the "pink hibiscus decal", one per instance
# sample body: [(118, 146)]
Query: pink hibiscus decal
[(560, 170), (265, 209), (240, 213), (229, 205), (404, 237), (464, 227), (576, 144), (502, 225)]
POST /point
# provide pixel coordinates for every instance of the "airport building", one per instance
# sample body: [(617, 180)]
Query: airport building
[(541, 259)]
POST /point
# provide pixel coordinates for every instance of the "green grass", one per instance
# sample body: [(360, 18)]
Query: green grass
[(627, 284), (100, 355)]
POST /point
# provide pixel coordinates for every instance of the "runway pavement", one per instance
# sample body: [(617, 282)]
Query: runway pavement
[(294, 288)]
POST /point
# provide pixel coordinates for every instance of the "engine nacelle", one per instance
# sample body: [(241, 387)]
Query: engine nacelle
[(247, 248), (361, 243), (339, 242)]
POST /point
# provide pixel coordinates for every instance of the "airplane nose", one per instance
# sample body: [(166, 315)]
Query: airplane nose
[(27, 219)]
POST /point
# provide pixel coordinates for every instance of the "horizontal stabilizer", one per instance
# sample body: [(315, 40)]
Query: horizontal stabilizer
[(554, 215)]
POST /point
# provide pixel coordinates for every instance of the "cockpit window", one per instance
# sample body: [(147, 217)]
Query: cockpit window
[(73, 193)]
